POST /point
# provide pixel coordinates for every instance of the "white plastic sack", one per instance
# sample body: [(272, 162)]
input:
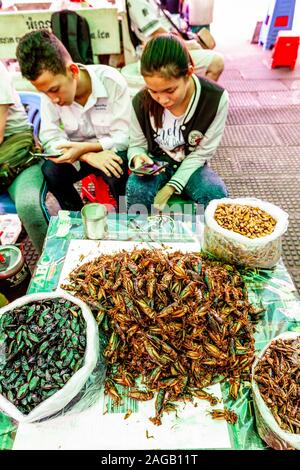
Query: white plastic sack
[(78, 382), (267, 426), (10, 228), (232, 247)]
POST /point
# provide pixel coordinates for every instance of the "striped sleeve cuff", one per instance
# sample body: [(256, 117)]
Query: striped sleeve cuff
[(178, 186)]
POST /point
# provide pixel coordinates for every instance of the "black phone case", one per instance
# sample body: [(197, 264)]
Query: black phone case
[(46, 155)]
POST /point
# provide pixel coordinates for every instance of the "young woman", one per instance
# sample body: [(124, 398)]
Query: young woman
[(178, 118)]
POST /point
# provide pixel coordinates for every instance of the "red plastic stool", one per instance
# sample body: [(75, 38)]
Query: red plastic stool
[(102, 193), (285, 50)]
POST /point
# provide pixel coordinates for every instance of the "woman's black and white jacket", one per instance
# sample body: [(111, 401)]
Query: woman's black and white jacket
[(202, 128)]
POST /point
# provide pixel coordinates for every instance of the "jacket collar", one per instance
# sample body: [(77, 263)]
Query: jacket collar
[(194, 100)]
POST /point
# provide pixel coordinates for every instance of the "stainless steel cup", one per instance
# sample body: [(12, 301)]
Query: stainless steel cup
[(94, 220)]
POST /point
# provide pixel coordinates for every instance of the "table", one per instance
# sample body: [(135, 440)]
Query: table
[(274, 289)]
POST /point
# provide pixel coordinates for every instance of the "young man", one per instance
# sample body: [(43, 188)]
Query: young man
[(85, 113), (147, 21)]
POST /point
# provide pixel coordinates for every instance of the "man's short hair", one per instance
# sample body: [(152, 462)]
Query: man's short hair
[(40, 51)]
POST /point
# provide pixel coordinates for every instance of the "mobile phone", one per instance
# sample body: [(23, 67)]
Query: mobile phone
[(47, 155), (150, 168)]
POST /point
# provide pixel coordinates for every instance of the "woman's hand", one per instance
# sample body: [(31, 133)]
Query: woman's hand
[(163, 196), (140, 160), (106, 161)]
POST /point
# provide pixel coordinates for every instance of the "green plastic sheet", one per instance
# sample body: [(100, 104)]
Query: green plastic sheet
[(272, 290)]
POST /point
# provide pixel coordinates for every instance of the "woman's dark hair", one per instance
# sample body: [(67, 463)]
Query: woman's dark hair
[(168, 56), (38, 51)]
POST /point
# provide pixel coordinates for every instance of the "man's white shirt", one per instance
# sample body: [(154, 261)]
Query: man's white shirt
[(104, 118)]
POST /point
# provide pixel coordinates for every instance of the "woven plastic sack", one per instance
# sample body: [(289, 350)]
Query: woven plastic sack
[(267, 427), (232, 247), (205, 39), (84, 387)]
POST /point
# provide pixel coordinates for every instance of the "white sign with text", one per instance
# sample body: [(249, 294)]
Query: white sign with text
[(103, 23)]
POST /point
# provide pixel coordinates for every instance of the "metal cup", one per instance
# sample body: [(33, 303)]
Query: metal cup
[(94, 220)]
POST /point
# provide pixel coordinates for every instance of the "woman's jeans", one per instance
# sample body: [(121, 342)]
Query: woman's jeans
[(203, 186)]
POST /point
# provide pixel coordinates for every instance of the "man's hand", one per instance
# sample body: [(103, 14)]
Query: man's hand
[(106, 161), (163, 196), (71, 152)]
